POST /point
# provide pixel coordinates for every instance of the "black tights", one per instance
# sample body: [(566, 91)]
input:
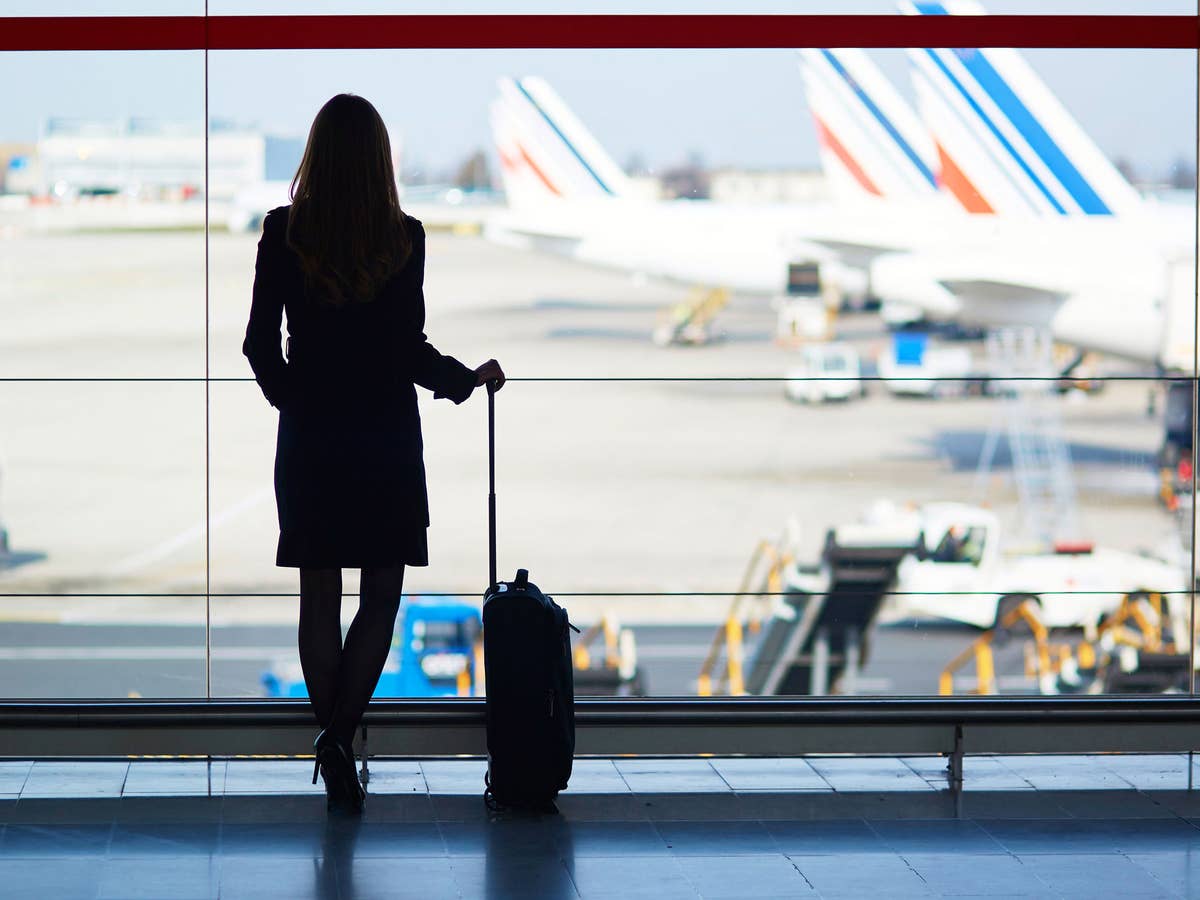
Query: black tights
[(341, 678)]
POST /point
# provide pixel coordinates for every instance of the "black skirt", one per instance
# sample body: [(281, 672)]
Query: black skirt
[(349, 491)]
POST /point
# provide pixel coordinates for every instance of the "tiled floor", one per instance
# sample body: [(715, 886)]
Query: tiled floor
[(745, 828)]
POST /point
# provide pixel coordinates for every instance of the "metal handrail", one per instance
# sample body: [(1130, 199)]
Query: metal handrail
[(729, 634), (601, 712)]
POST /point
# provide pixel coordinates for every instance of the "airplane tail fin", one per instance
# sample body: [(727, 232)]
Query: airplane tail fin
[(872, 144), (545, 150), (1003, 141)]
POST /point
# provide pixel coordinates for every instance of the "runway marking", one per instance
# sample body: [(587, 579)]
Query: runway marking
[(34, 618), (183, 651), (196, 532), (672, 651), (244, 654)]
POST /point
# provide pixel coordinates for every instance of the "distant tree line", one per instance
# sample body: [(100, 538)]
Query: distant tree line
[(692, 178)]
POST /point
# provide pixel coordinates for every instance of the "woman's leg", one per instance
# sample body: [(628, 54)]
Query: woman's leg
[(320, 638), (367, 644)]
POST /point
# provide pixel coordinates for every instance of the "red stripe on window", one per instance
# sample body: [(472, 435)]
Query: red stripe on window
[(102, 33), (590, 31), (825, 136)]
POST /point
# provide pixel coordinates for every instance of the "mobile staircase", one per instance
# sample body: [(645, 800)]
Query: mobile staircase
[(816, 641)]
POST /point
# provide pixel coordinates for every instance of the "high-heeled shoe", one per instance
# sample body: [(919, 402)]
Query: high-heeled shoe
[(335, 762), (324, 765)]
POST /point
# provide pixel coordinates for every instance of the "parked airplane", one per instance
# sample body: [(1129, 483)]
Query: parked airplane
[(1057, 237), (872, 145), (1005, 143), (566, 195)]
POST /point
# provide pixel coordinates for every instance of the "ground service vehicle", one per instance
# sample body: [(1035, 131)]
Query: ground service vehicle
[(960, 570), (433, 655), (827, 371)]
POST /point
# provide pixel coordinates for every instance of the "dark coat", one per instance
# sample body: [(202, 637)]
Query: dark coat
[(349, 474)]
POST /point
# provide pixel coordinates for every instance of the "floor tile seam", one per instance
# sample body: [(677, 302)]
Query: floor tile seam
[(424, 778), (812, 887), (570, 875), (1000, 761), (124, 781), (621, 775), (1166, 890), (995, 837), (224, 767), (828, 784), (904, 761), (1168, 809), (912, 868), (25, 780), (871, 828), (1003, 850), (725, 781), (662, 837), (1006, 854), (1166, 887), (1118, 776), (438, 823)]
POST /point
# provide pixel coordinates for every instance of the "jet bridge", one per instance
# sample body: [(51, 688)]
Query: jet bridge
[(819, 643)]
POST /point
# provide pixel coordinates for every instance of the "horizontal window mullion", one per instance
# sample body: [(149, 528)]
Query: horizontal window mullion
[(559, 379)]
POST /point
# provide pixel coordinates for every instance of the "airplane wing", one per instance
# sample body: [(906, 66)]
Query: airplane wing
[(558, 244), (992, 292), (533, 232), (856, 254)]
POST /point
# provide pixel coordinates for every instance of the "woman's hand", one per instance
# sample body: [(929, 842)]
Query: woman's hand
[(490, 371)]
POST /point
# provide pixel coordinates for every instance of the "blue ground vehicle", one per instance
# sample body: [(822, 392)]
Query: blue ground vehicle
[(434, 654)]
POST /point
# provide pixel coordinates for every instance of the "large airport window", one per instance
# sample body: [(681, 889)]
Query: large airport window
[(102, 362), (882, 384)]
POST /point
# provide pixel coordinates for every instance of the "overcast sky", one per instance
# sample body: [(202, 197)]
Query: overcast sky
[(733, 107)]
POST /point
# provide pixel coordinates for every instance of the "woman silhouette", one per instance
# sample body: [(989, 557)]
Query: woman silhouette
[(348, 266)]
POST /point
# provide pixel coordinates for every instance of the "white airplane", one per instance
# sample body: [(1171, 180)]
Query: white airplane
[(566, 196), (873, 147), (931, 215), (1048, 232)]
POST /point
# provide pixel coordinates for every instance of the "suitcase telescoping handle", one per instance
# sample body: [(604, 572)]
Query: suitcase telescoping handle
[(491, 392)]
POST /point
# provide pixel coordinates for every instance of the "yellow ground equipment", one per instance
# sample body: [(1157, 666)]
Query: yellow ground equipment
[(980, 650), (745, 614), (1130, 651), (690, 322), (616, 673)]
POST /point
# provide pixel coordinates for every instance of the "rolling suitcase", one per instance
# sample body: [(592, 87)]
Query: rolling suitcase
[(529, 680)]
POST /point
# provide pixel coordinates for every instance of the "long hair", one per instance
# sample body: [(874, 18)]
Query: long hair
[(345, 222)]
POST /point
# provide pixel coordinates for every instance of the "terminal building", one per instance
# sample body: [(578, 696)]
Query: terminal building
[(149, 159)]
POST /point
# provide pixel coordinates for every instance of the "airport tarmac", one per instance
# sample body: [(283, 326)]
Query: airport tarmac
[(49, 660), (654, 485)]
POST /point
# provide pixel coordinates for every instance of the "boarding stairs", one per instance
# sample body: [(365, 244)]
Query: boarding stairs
[(690, 322), (818, 643), (1021, 361)]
